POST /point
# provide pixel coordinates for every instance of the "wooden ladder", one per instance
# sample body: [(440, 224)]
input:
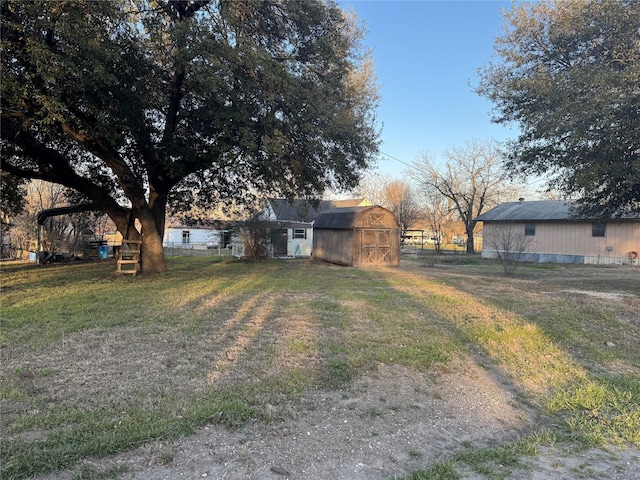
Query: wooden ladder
[(129, 257)]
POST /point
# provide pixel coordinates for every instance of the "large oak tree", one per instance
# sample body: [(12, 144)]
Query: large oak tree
[(140, 105), (568, 74)]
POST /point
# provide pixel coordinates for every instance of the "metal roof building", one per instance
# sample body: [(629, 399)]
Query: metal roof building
[(545, 210), (556, 234)]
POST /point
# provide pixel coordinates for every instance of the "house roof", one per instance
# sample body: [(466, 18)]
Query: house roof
[(299, 210), (528, 211), (540, 210), (339, 218)]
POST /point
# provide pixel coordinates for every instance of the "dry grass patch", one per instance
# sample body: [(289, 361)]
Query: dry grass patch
[(576, 355), (92, 365)]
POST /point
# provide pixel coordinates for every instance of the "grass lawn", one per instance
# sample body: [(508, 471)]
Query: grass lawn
[(93, 365)]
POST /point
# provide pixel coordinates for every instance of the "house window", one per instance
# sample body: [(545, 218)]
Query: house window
[(299, 233), (530, 229), (598, 229), (186, 236)]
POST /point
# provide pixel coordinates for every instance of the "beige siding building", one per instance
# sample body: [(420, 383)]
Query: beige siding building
[(552, 233)]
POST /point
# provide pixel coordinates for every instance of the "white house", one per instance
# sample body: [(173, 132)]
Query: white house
[(201, 236), (292, 223), (289, 224)]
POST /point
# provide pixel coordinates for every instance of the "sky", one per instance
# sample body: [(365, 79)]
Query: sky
[(427, 54)]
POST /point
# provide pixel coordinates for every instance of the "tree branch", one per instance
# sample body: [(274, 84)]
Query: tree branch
[(55, 168), (111, 158), (181, 9)]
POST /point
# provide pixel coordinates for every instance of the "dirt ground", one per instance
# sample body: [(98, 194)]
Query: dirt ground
[(383, 427)]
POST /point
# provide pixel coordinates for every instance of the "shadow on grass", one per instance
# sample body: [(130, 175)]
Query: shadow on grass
[(537, 353), (233, 339)]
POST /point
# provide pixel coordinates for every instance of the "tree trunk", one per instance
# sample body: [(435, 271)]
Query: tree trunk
[(152, 252), (152, 220), (470, 241)]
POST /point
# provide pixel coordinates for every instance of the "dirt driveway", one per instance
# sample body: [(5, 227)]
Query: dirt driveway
[(383, 427)]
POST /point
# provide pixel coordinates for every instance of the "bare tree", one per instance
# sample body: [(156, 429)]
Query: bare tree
[(399, 198), (471, 178), (438, 211), (371, 187), (509, 243), (395, 195), (254, 235), (39, 195), (60, 233)]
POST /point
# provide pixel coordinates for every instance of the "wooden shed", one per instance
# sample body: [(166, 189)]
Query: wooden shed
[(357, 236)]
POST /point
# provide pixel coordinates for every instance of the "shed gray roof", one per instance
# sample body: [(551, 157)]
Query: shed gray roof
[(529, 211), (339, 218)]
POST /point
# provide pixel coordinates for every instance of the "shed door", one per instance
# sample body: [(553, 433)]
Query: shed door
[(376, 247)]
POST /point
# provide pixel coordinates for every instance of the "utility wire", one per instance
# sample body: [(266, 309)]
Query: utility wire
[(398, 160), (528, 182)]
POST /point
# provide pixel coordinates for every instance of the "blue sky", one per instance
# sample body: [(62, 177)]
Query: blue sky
[(427, 54)]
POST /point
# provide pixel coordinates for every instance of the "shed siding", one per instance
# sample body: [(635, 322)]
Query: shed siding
[(334, 246), (573, 241)]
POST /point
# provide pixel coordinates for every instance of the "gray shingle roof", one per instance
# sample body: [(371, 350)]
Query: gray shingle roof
[(297, 210), (541, 210), (529, 211), (304, 210)]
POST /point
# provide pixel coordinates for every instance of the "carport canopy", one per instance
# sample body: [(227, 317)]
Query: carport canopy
[(54, 212)]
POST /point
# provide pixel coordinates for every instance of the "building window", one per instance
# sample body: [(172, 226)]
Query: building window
[(186, 236), (299, 233), (530, 229), (598, 229)]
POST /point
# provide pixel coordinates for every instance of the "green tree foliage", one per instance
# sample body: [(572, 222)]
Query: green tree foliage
[(569, 75), (140, 105), (12, 199)]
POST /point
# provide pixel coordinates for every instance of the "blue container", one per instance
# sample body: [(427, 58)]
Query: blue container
[(32, 256), (103, 252)]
